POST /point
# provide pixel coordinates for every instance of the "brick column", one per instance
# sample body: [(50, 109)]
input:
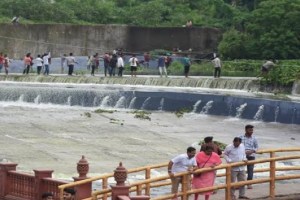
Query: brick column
[(85, 190), (38, 176), (4, 169), (120, 189)]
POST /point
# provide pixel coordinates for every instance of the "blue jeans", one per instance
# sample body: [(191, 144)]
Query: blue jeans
[(1, 67), (46, 72), (250, 168)]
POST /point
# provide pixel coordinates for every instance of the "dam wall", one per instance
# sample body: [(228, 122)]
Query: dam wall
[(17, 40)]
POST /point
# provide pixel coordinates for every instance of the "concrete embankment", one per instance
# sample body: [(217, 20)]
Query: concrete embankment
[(228, 83), (248, 84)]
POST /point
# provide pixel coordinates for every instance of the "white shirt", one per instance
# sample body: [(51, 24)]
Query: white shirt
[(120, 62), (71, 60), (38, 61), (216, 62), (234, 154), (182, 162), (46, 59), (133, 61)]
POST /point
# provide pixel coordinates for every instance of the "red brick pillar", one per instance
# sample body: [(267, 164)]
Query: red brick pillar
[(4, 168), (120, 188), (39, 186), (85, 190)]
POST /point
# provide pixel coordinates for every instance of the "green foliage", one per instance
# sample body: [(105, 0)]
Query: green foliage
[(87, 114), (179, 113), (283, 74), (141, 114)]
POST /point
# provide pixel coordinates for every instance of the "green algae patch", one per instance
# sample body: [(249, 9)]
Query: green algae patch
[(104, 111), (179, 113), (141, 114)]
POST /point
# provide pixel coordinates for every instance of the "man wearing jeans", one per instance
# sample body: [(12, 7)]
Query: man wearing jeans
[(236, 153), (181, 163), (251, 146)]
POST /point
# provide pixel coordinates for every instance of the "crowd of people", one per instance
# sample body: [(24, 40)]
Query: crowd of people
[(113, 63), (243, 149)]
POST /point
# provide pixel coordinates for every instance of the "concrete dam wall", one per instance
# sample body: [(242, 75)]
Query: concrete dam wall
[(17, 40)]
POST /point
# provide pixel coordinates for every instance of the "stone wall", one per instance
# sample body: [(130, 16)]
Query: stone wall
[(17, 40)]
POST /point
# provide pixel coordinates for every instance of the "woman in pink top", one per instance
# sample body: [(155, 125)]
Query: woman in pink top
[(206, 158)]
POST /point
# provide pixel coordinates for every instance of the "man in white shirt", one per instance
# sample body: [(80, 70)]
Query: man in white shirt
[(39, 64), (71, 62), (217, 64), (133, 61), (120, 65), (236, 153), (181, 163), (46, 58)]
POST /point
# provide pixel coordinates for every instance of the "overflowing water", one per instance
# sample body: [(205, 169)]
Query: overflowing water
[(195, 106), (207, 107), (121, 103), (240, 110), (161, 104), (146, 103), (132, 102), (259, 114)]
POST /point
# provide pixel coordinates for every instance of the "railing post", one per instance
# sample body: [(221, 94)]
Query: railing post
[(4, 168), (120, 188), (272, 175), (184, 184), (148, 176), (83, 191), (38, 176), (228, 183)]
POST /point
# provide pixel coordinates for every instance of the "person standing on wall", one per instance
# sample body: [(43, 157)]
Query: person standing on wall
[(71, 62), (146, 59), (27, 62), (39, 64), (112, 65), (217, 64), (46, 59), (251, 146), (161, 65), (93, 63), (182, 163), (1, 61), (106, 60), (186, 61), (6, 63), (133, 61), (120, 65), (236, 153), (63, 61)]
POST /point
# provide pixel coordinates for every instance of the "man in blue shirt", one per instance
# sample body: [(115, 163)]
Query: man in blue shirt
[(251, 146)]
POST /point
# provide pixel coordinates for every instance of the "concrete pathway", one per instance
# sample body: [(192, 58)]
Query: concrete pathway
[(283, 191)]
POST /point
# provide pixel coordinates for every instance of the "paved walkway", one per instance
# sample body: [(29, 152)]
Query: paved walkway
[(283, 191)]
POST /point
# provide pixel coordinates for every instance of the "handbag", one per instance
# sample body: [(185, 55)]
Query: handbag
[(199, 174)]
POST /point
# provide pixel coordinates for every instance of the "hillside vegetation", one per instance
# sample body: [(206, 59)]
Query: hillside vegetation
[(254, 29)]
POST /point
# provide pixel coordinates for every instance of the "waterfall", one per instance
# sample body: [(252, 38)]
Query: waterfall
[(240, 110), (95, 102), (195, 106), (69, 101), (37, 100), (259, 114), (161, 104), (121, 103), (104, 102), (21, 98), (276, 113), (206, 108), (132, 102), (145, 104)]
